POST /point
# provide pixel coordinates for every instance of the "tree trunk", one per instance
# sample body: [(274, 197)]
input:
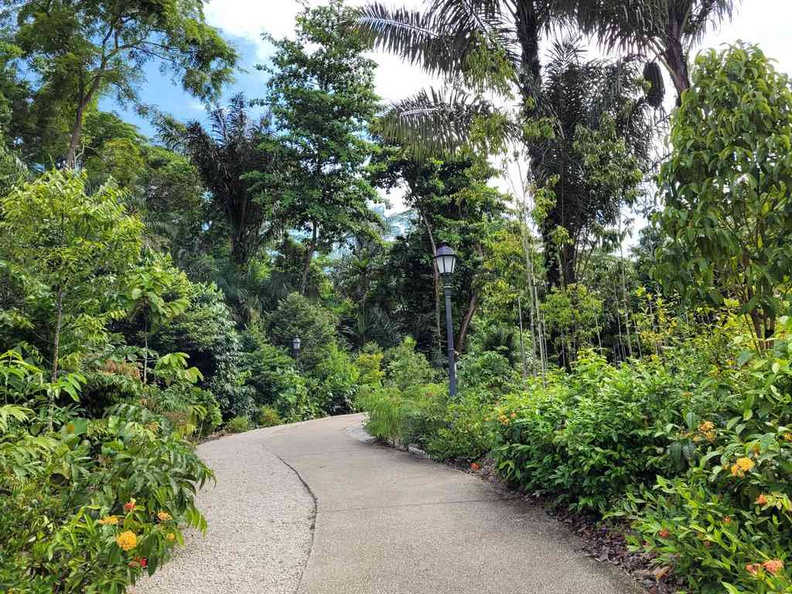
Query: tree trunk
[(56, 338), (435, 281), (463, 330), (76, 133), (309, 258), (145, 358), (676, 62)]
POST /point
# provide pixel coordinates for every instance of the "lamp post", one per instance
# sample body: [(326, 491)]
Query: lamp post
[(445, 261), (296, 342)]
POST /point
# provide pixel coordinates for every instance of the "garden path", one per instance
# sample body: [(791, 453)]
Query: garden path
[(387, 522)]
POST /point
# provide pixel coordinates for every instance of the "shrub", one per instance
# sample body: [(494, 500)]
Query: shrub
[(87, 505), (268, 417), (463, 431), (335, 381), (404, 367), (238, 425), (271, 370), (727, 523), (297, 316), (592, 435)]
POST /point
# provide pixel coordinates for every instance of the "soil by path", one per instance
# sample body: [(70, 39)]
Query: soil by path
[(387, 522)]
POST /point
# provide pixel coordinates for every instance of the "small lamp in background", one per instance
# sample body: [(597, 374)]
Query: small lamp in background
[(296, 343)]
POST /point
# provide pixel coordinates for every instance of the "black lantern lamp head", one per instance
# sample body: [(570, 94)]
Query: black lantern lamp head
[(445, 260), (296, 342)]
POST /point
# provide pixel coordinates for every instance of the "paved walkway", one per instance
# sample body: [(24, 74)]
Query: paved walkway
[(388, 522)]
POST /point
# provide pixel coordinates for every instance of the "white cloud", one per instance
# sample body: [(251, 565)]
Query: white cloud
[(247, 19), (765, 22)]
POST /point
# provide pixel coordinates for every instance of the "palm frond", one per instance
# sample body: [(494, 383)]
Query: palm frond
[(440, 40), (439, 122)]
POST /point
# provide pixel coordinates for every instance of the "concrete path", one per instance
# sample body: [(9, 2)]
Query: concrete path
[(388, 522)]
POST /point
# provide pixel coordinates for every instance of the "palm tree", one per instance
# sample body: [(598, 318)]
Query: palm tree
[(237, 160), (661, 30), (482, 48), (476, 47), (591, 163)]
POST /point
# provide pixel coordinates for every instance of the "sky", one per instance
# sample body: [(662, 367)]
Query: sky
[(765, 22)]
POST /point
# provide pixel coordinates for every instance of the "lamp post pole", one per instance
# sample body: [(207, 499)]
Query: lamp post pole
[(445, 260), (450, 336)]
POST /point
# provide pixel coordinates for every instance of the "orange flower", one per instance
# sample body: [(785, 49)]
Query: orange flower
[(664, 533), (130, 505), (127, 540), (514, 415), (752, 568), (727, 520), (773, 565), (761, 500), (474, 466), (164, 516)]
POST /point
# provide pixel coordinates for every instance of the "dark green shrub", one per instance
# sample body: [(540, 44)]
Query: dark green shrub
[(314, 325), (271, 370)]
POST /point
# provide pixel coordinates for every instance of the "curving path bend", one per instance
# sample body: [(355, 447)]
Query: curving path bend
[(386, 522)]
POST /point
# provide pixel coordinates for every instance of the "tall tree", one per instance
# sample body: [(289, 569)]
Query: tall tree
[(240, 163), (321, 93), (661, 30), (728, 215), (591, 163), (485, 46), (82, 49), (70, 250), (449, 201)]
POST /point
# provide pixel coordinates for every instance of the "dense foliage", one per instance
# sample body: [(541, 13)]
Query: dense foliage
[(151, 290)]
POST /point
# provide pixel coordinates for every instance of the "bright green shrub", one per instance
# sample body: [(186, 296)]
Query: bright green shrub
[(68, 493), (728, 520), (238, 425), (298, 316), (404, 417), (404, 367), (268, 417), (594, 434), (335, 381), (369, 364)]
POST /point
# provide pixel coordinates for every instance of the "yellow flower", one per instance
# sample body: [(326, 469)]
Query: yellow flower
[(742, 466), (170, 536), (164, 516), (109, 521), (127, 540)]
